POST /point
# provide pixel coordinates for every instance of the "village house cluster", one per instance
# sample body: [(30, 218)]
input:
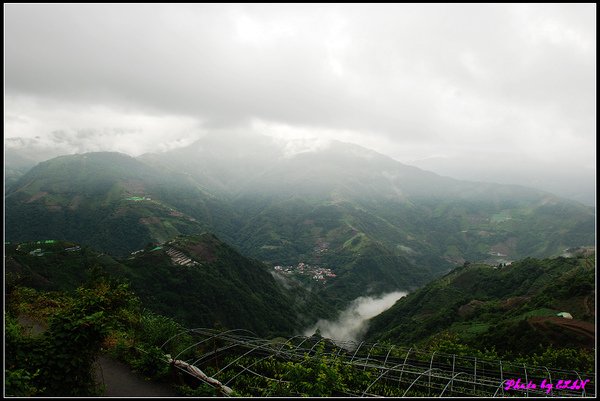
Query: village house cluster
[(315, 272)]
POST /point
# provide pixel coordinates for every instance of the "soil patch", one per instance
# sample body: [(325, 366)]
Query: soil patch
[(149, 220), (203, 252), (37, 196), (586, 329)]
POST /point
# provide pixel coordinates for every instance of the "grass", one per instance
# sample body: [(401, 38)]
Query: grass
[(538, 312), (355, 242), (469, 328)]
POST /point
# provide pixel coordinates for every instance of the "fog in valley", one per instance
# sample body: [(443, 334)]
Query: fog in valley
[(270, 179), (352, 323)]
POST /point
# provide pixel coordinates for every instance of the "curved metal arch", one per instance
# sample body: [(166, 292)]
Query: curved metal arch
[(227, 332), (314, 345), (302, 342), (501, 377), (355, 352), (418, 377), (404, 363), (191, 346), (475, 373), (500, 386), (579, 377), (387, 355), (340, 349), (387, 370), (453, 365), (214, 335), (185, 331), (232, 344), (451, 381), (550, 377), (290, 339), (526, 381), (247, 368), (369, 355), (247, 353), (301, 362), (430, 365), (453, 371)]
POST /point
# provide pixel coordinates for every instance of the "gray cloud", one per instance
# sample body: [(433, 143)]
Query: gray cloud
[(412, 81)]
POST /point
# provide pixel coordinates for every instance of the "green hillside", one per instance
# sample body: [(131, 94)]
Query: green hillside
[(377, 224), (324, 206), (197, 280), (512, 309), (106, 200)]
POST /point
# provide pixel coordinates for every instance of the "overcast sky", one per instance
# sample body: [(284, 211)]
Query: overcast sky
[(504, 93)]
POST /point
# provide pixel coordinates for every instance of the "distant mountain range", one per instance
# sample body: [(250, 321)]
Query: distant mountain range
[(378, 224)]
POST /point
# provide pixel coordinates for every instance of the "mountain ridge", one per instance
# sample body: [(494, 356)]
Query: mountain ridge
[(281, 210), (198, 280)]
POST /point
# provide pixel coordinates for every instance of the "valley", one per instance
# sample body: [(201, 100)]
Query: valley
[(300, 200), (356, 248), (375, 223)]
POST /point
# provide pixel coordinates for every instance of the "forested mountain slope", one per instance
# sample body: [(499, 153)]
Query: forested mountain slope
[(197, 280), (511, 308), (378, 224)]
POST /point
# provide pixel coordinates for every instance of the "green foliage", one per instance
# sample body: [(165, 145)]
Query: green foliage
[(451, 344), (62, 357), (140, 346), (19, 383), (566, 358), (236, 291), (19, 380), (316, 375), (157, 329), (202, 390), (151, 362), (508, 312)]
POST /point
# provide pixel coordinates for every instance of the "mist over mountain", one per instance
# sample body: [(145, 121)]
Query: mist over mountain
[(259, 165), (352, 322), (283, 168), (254, 153), (564, 180), (379, 224), (105, 200)]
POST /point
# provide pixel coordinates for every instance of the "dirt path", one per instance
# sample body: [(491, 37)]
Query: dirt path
[(31, 325), (121, 381), (118, 378), (585, 328)]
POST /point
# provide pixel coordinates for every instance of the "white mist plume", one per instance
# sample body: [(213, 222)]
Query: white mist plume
[(351, 325)]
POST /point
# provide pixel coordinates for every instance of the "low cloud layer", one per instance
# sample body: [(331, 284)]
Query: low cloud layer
[(503, 82), (352, 322)]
